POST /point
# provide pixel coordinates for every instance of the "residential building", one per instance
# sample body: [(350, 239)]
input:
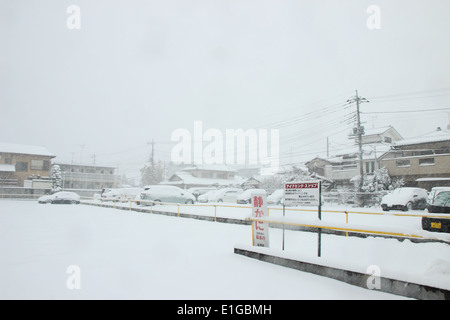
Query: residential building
[(383, 135), (84, 176), (204, 175), (421, 161), (343, 168), (19, 163)]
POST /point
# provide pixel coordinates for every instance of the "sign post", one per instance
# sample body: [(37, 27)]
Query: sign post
[(260, 229), (305, 193)]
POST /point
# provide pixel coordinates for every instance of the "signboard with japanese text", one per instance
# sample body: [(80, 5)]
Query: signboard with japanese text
[(302, 193), (260, 229)]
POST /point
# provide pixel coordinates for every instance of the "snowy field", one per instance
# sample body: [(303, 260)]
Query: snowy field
[(130, 255)]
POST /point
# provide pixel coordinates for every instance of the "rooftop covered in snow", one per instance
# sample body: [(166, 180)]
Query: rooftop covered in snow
[(438, 135), (25, 149)]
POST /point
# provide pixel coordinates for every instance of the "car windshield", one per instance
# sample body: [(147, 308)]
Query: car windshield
[(402, 191), (442, 199)]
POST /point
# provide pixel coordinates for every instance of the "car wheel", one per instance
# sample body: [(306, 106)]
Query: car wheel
[(73, 202), (408, 206), (157, 201), (220, 200), (189, 201)]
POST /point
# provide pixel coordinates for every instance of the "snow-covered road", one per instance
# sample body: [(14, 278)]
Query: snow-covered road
[(129, 255)]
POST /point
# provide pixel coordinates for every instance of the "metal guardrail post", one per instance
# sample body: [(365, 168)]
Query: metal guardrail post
[(346, 221)]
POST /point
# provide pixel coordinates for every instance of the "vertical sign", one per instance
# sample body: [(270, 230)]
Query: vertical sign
[(260, 230), (305, 193)]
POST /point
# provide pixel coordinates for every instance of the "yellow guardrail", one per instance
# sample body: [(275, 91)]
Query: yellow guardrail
[(318, 226), (355, 230)]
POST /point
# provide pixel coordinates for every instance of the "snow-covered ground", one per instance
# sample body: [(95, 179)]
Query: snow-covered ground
[(131, 255)]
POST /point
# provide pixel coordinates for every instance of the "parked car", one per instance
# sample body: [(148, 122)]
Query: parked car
[(203, 198), (440, 204), (246, 196), (111, 195), (64, 197), (130, 194), (160, 193), (434, 192), (225, 195), (405, 199), (199, 191), (276, 197)]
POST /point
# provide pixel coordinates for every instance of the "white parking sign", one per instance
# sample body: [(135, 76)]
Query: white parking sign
[(302, 193)]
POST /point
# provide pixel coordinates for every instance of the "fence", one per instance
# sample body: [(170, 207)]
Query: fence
[(303, 224)]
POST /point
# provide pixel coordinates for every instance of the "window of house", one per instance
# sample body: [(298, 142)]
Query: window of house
[(442, 151), (37, 164), (21, 166), (426, 162), (370, 167), (388, 139), (403, 163), (8, 160), (46, 165)]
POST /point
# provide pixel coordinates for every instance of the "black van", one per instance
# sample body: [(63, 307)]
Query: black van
[(440, 204)]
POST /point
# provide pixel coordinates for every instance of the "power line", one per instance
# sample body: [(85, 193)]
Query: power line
[(407, 111)]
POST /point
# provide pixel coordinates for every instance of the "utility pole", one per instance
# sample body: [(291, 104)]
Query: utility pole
[(359, 132), (152, 158), (448, 125), (328, 147)]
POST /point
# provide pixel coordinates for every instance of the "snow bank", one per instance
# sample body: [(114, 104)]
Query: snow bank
[(131, 255)]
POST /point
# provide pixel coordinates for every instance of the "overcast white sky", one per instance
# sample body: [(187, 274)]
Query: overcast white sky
[(138, 70)]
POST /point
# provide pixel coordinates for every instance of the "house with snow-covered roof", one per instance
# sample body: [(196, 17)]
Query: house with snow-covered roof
[(422, 161), (204, 176), (343, 167), (19, 163)]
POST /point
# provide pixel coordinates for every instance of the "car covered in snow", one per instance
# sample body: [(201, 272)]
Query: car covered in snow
[(276, 197), (225, 195), (221, 195), (246, 196), (405, 199), (159, 194), (121, 194), (62, 197), (199, 191), (440, 204), (204, 198)]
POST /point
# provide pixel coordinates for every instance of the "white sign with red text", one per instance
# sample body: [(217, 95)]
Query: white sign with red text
[(302, 193), (260, 229)]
